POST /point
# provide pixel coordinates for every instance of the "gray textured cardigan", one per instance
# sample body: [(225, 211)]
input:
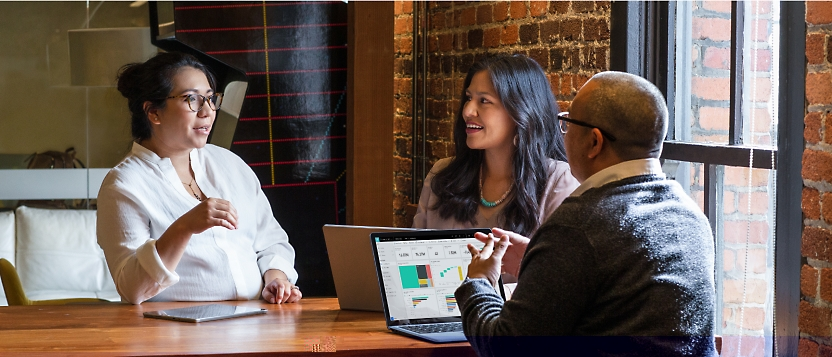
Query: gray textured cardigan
[(623, 269)]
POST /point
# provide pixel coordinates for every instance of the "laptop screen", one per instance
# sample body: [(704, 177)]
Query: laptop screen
[(419, 272)]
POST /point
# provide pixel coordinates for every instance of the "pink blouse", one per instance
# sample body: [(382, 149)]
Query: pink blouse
[(560, 185)]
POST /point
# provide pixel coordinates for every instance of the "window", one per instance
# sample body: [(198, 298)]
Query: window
[(732, 73)]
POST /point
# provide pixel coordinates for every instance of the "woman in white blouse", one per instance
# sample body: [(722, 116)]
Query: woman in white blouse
[(181, 220)]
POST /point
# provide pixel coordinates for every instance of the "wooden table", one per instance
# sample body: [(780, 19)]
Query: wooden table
[(313, 325)]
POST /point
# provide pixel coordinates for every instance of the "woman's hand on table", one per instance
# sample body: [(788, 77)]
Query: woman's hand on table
[(212, 212), (517, 245), (279, 289)]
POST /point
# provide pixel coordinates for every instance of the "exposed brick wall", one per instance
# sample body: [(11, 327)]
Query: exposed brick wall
[(570, 40), (815, 319)]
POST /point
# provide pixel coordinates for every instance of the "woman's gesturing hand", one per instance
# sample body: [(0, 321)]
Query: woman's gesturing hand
[(212, 212)]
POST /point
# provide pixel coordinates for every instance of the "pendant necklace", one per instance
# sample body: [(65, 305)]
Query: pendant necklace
[(488, 203)]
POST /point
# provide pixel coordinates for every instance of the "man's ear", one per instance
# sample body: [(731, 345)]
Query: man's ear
[(598, 142), (152, 113)]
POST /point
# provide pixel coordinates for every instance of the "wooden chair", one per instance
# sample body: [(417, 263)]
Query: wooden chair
[(16, 296)]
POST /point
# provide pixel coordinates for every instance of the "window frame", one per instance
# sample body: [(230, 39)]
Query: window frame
[(642, 42)]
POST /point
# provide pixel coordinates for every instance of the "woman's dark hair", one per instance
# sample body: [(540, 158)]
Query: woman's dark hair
[(152, 82), (524, 90)]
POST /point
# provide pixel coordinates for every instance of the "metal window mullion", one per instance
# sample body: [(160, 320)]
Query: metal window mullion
[(713, 187), (419, 100), (737, 44)]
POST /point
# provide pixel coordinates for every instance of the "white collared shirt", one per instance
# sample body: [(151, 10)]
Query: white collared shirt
[(621, 171), (142, 196)]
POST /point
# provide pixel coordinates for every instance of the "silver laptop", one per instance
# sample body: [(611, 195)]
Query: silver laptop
[(418, 273), (353, 270)]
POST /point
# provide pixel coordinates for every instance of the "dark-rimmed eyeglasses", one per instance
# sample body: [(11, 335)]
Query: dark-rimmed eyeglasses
[(196, 101), (563, 118)]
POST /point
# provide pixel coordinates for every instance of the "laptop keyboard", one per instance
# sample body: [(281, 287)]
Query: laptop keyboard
[(434, 328)]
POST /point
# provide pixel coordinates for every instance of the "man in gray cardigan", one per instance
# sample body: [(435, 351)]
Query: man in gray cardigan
[(624, 267)]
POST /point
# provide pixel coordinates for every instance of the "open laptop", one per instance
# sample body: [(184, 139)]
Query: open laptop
[(418, 274), (353, 270)]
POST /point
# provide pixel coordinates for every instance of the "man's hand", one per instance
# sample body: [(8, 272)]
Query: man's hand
[(486, 263), (517, 245)]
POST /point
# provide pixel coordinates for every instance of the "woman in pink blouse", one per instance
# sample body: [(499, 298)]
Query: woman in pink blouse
[(509, 170)]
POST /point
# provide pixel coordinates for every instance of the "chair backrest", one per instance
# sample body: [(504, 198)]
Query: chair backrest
[(7, 245), (58, 255), (11, 284)]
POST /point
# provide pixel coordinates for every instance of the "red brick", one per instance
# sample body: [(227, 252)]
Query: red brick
[(813, 320), (717, 57), (762, 62), (541, 56), (403, 86), (403, 24), (402, 164), (826, 284), (559, 7), (818, 12), (717, 6), (570, 29), (761, 8), (711, 28), (757, 260), (711, 88), (816, 243), (736, 231), (438, 21), (729, 260), (468, 16), (738, 176), (475, 38), (484, 14), (405, 45), (807, 348), (501, 11), (826, 209), (433, 43), (824, 351), (538, 8), (549, 31), (596, 29), (446, 42), (759, 203), (397, 7), (755, 291), (529, 33), (808, 281), (711, 118), (829, 49), (819, 88), (817, 165), (810, 203), (518, 9), (461, 41), (728, 204), (583, 6), (827, 127), (759, 30), (491, 36), (754, 317), (511, 34), (407, 7)]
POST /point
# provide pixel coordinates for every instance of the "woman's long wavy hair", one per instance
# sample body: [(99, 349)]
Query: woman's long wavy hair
[(524, 90)]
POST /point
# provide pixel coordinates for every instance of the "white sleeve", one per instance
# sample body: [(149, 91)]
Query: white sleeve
[(271, 243), (123, 233)]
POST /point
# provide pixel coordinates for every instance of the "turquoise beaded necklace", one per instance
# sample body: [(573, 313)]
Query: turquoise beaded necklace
[(488, 203)]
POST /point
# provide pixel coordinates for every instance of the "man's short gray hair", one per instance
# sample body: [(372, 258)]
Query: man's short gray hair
[(632, 109)]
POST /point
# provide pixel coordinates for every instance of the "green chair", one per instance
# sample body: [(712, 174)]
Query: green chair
[(16, 296)]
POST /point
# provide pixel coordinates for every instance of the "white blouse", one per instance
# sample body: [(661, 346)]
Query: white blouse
[(142, 196)]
